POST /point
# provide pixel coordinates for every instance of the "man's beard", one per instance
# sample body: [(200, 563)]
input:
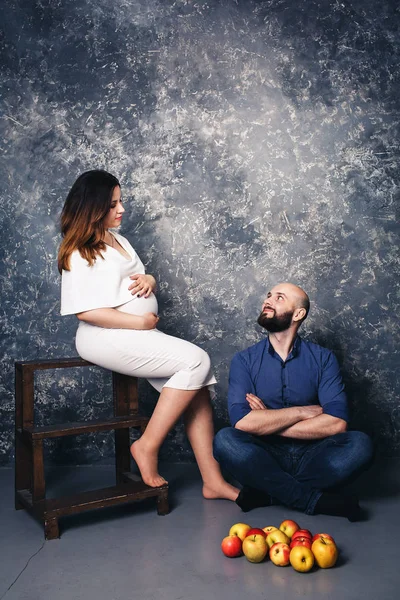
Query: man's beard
[(276, 323)]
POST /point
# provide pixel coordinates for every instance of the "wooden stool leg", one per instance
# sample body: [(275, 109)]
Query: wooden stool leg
[(125, 396), (162, 503), (38, 484), (51, 529), (23, 416), (23, 467), (122, 454)]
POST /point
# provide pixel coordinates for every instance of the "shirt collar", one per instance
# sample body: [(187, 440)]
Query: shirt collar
[(293, 353), (296, 347)]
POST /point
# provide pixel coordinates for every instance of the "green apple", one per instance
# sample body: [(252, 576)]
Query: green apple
[(239, 529), (277, 536)]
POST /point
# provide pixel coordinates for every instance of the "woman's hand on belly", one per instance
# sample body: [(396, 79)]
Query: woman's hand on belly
[(150, 321), (142, 285)]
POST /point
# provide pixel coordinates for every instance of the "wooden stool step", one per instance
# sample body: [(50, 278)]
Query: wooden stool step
[(30, 487), (64, 429), (50, 510)]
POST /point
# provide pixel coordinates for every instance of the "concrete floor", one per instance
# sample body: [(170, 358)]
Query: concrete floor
[(131, 553)]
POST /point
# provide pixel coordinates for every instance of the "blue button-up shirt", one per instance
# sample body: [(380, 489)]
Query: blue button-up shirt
[(309, 375)]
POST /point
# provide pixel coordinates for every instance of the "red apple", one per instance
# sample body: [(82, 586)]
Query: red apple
[(325, 552), (301, 541), (256, 531), (277, 536), (279, 554), (301, 559), (239, 529), (302, 533), (289, 527), (231, 546), (324, 535), (255, 548)]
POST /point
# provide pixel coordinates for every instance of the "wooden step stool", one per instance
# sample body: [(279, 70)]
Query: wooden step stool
[(30, 488)]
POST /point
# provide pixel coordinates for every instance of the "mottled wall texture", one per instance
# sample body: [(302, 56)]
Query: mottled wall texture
[(256, 141)]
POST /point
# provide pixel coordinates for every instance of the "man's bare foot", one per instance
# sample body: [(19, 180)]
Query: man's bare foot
[(220, 489), (147, 463)]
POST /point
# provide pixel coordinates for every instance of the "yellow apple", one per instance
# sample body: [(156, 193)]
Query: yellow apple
[(324, 535), (289, 527), (255, 548), (279, 554), (269, 528), (325, 552), (301, 558), (239, 529)]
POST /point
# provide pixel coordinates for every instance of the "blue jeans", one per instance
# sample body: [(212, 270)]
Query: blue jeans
[(293, 472)]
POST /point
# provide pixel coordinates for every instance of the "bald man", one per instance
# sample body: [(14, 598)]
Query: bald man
[(289, 442)]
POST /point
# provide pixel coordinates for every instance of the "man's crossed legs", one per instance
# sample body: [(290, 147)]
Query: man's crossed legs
[(297, 473)]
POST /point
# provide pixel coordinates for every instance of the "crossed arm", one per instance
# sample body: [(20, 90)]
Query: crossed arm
[(111, 318), (297, 422), (310, 422)]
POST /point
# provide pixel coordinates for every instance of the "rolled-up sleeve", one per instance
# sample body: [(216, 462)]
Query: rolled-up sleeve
[(240, 384), (331, 394)]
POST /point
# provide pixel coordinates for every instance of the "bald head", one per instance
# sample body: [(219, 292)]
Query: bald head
[(285, 307), (295, 294)]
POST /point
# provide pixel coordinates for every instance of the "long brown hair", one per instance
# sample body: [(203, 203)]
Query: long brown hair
[(82, 218)]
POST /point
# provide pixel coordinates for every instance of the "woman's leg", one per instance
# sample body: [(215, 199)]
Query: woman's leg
[(171, 404), (200, 431)]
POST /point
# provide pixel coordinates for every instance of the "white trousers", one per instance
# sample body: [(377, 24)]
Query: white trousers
[(162, 359)]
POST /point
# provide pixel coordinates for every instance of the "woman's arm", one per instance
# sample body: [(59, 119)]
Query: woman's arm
[(110, 318)]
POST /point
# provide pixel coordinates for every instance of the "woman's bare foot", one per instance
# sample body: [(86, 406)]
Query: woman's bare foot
[(147, 463), (220, 489)]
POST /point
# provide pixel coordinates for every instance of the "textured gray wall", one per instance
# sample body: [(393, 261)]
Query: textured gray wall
[(256, 141)]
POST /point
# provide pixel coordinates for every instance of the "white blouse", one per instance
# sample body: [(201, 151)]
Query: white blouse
[(104, 285)]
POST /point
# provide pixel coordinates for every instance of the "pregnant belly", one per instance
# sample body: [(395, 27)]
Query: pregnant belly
[(139, 306)]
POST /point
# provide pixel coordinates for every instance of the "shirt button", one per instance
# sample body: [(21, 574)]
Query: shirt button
[(284, 386), (283, 365)]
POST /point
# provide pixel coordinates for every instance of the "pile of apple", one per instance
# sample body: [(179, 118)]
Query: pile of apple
[(288, 544)]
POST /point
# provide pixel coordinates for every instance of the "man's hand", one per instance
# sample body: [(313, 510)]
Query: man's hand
[(255, 403), (142, 285)]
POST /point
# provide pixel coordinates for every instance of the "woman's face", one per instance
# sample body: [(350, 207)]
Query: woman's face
[(114, 215)]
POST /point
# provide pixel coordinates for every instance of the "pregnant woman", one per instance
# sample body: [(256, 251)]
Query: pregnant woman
[(105, 285)]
